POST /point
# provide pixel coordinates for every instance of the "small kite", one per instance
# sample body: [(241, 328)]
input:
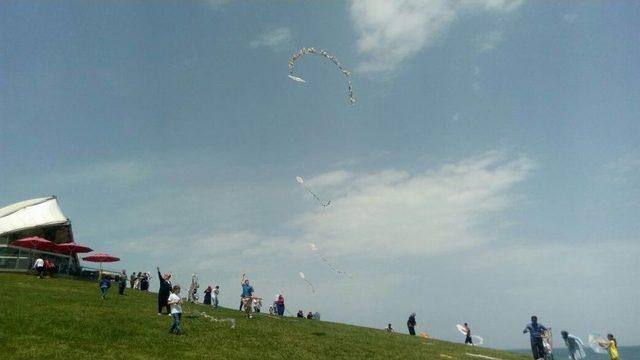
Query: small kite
[(326, 55), (300, 180), (314, 248), (598, 343), (313, 290)]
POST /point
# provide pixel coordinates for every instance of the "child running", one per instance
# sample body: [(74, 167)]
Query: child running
[(174, 302), (105, 284)]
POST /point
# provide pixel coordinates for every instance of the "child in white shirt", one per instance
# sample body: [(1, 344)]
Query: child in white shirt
[(174, 302)]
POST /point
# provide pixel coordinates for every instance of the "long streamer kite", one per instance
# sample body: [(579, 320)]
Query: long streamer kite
[(326, 55), (300, 180), (192, 313), (313, 290), (314, 248)]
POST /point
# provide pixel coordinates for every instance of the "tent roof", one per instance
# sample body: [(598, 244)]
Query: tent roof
[(31, 214)]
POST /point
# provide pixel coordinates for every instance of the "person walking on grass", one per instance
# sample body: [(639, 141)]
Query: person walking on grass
[(104, 284), (467, 339), (122, 282), (164, 291), (536, 331), (389, 329), (411, 324), (176, 310)]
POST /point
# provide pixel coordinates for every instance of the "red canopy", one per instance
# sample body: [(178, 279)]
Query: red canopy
[(101, 258), (35, 242), (72, 247)]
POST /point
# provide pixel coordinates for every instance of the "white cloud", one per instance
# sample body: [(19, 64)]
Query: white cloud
[(273, 38), (393, 212), (389, 32)]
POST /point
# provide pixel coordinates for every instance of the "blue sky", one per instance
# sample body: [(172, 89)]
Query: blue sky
[(489, 170)]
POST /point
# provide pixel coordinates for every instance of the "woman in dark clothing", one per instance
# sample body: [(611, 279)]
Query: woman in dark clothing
[(144, 282), (163, 292), (207, 296)]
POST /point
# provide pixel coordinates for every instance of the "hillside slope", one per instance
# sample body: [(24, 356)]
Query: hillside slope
[(66, 319)]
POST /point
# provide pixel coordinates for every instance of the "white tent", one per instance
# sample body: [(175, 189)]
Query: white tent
[(29, 214)]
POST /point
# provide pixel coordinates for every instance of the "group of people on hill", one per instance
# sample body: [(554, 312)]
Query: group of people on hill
[(140, 281), (310, 315), (537, 334), (44, 267), (211, 296)]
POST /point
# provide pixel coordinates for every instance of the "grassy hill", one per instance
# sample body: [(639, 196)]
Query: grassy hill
[(66, 319)]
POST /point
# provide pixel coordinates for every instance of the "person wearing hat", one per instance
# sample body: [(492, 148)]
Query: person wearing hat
[(164, 291)]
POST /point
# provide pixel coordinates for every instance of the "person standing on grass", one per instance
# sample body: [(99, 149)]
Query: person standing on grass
[(247, 291), (207, 295), (467, 331), (104, 284), (144, 283), (280, 305), (123, 282), (536, 330), (164, 291), (176, 310), (132, 279), (389, 329), (39, 266), (411, 324), (214, 296)]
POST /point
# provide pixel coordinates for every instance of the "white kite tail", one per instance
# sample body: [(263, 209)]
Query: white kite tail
[(326, 55)]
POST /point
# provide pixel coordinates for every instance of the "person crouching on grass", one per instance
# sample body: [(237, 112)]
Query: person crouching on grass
[(174, 302)]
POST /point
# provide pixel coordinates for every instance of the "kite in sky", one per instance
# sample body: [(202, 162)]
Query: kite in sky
[(308, 282), (300, 180), (314, 248), (326, 55)]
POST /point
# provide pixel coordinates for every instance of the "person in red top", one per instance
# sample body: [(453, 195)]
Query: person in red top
[(280, 305)]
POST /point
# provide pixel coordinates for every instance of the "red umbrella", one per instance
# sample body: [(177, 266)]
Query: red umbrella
[(101, 258), (73, 248), (35, 242)]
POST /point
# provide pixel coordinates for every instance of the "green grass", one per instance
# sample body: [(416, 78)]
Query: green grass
[(66, 319)]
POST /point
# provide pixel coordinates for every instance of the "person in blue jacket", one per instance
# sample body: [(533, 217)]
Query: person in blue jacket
[(536, 331), (105, 284), (247, 290), (163, 292)]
